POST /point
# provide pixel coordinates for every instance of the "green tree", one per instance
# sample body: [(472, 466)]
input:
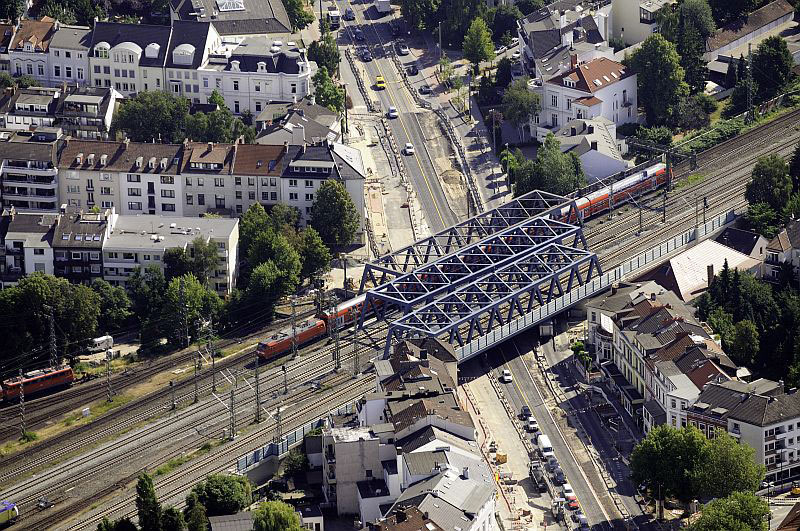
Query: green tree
[(6, 80), (188, 308), (195, 513), (325, 52), (731, 76), (503, 75), (264, 288), (59, 12), (253, 222), (695, 25), (772, 67), (326, 92), (743, 345), (204, 258), (729, 10), (660, 79), (770, 182), (419, 13), (529, 6), (172, 520), (722, 323), (794, 168), (660, 135), (729, 467), (737, 103), (520, 104), (741, 511), (275, 248), (295, 464), (554, 171), (11, 9), (334, 214), (668, 22), (26, 81), (223, 494), (217, 99), (315, 255), (115, 306), (504, 23), (152, 115), (276, 516), (176, 263), (299, 17), (197, 126), (146, 288), (692, 115), (148, 509), (478, 46)]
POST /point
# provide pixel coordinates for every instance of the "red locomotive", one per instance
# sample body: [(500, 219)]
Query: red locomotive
[(37, 381)]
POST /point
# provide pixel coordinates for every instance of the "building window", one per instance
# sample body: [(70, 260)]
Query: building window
[(80, 73), (273, 196), (107, 204), (201, 181), (57, 71), (293, 183), (189, 199), (236, 107), (251, 196), (135, 192), (219, 201), (237, 181), (40, 70), (554, 101), (258, 106), (38, 251), (105, 190), (309, 197), (134, 178), (292, 196), (235, 84), (29, 69), (201, 199), (294, 88), (309, 183), (73, 189), (265, 196), (238, 209), (76, 255), (168, 207), (167, 179), (238, 194), (68, 71), (219, 182), (134, 205), (168, 193)]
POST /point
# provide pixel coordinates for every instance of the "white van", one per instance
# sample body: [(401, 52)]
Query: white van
[(545, 447), (102, 343)]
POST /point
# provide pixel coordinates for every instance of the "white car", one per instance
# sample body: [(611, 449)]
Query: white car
[(514, 42), (516, 55), (506, 377), (409, 149), (532, 425), (402, 49), (568, 490), (392, 113), (500, 50)]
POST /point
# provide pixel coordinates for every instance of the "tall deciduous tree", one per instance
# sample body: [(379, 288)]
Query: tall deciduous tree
[(153, 115), (315, 255), (553, 171), (299, 16), (794, 168), (743, 346), (729, 10), (741, 511), (420, 13), (325, 52), (529, 6), (147, 507), (729, 466), (276, 516), (695, 25), (660, 79), (147, 288), (172, 520), (772, 66), (503, 77), (115, 306), (770, 182), (188, 308), (253, 222), (326, 92), (504, 23), (478, 46), (269, 246), (334, 214), (223, 494), (520, 103), (195, 513)]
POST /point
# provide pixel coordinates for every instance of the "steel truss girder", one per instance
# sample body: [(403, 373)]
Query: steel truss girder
[(510, 292), (469, 263), (533, 204)]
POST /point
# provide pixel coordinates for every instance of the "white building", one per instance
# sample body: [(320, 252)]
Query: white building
[(635, 20), (140, 241), (28, 170), (29, 48), (595, 143), (69, 55), (599, 88), (28, 245)]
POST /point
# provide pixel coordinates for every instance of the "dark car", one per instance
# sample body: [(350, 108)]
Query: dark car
[(425, 89), (525, 413), (359, 35), (558, 476), (551, 464), (413, 70), (349, 14), (366, 56), (537, 477)]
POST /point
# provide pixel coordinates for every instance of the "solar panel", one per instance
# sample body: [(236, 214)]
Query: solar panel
[(230, 5)]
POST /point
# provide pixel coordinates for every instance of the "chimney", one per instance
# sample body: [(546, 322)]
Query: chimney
[(710, 273), (652, 296), (594, 145), (590, 129), (210, 147), (125, 143), (573, 131), (614, 288), (573, 61), (286, 147), (465, 472)]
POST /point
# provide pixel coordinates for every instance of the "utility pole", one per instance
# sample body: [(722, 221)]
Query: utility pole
[(196, 366), (335, 331), (354, 342), (441, 50), (294, 329), (749, 116), (344, 284), (233, 417), (285, 380), (109, 353), (184, 320), (210, 348), (611, 200), (278, 432), (258, 392), (53, 353), (22, 403), (696, 215), (172, 393)]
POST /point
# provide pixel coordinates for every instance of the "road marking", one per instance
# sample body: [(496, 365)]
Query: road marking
[(541, 398), (416, 156)]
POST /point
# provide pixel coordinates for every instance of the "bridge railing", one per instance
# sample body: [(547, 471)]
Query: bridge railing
[(594, 287)]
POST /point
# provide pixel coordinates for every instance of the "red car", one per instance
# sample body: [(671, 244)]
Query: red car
[(572, 501)]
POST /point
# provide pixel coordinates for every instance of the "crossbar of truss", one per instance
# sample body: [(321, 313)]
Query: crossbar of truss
[(508, 293), (473, 261), (533, 204)]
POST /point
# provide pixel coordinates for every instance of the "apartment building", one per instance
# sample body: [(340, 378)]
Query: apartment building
[(141, 241), (29, 169), (27, 245), (29, 49), (29, 108), (6, 34), (598, 88), (68, 55), (236, 17), (595, 143), (760, 414), (86, 112), (207, 180), (783, 252), (256, 175), (78, 242), (635, 20)]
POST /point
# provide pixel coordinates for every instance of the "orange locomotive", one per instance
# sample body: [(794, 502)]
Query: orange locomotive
[(38, 381)]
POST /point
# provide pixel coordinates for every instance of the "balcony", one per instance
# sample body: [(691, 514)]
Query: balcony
[(769, 438), (31, 170), (24, 193), (14, 250), (32, 179)]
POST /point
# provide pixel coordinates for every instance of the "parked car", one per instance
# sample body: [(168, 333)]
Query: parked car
[(413, 70), (567, 489), (572, 502), (532, 425), (558, 476), (409, 149), (499, 50), (525, 413), (366, 56), (402, 49), (551, 464), (349, 14), (392, 113), (514, 42), (516, 55), (358, 35), (505, 376), (425, 89)]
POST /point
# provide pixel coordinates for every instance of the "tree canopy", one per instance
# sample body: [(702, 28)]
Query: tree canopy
[(695, 25), (553, 171), (420, 14), (334, 214), (772, 67), (728, 10), (520, 103), (148, 509), (153, 115), (325, 52), (115, 306), (223, 494), (326, 92), (315, 255), (502, 20), (276, 516), (478, 46), (740, 511), (660, 79), (770, 183), (299, 16), (187, 305)]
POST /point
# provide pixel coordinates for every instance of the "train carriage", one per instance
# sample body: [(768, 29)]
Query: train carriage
[(38, 381), (281, 342)]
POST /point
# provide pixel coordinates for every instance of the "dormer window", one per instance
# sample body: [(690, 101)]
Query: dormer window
[(28, 47), (101, 51), (151, 51), (183, 54), (235, 66), (262, 66)]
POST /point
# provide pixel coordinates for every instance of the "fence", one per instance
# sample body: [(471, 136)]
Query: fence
[(594, 287), (287, 442)]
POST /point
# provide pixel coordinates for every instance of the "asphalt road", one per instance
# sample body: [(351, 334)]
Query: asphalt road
[(406, 128)]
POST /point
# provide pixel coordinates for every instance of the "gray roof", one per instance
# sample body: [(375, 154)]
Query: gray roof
[(424, 463), (115, 33), (232, 522), (749, 407), (127, 232), (743, 241), (432, 433), (77, 230), (372, 488), (43, 151), (192, 33), (72, 37), (258, 16)]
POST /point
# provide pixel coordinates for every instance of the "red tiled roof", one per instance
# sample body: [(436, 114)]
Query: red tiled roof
[(254, 159), (594, 75), (37, 32), (588, 101)]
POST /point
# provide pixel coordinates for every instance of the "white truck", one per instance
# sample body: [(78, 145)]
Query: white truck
[(383, 6), (102, 343), (545, 447), (334, 17)]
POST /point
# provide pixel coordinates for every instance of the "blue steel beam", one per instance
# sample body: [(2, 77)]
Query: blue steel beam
[(508, 293), (533, 204), (473, 261)]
